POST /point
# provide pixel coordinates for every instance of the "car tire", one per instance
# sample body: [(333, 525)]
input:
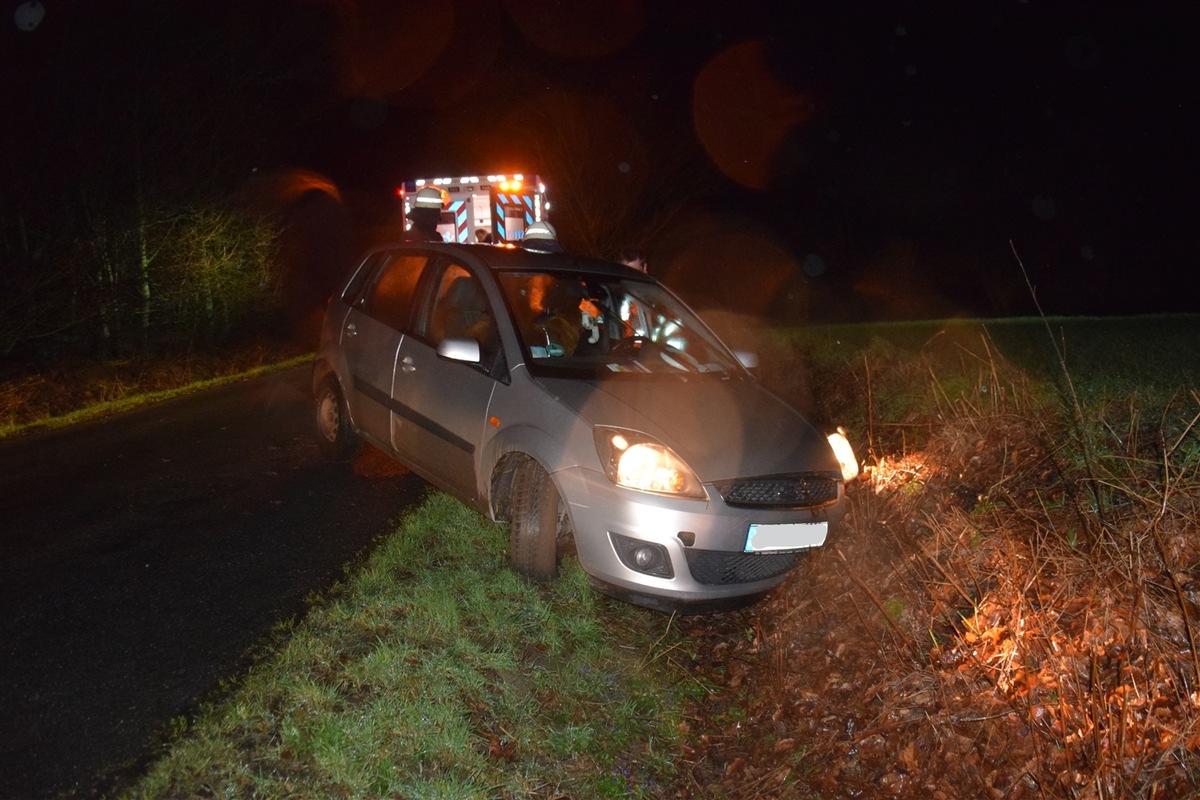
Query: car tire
[(539, 523), (336, 438)]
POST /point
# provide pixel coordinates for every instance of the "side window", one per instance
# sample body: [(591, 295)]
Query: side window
[(366, 270), (461, 310), (390, 298)]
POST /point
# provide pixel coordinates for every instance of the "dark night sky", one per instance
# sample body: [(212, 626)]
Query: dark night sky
[(898, 152)]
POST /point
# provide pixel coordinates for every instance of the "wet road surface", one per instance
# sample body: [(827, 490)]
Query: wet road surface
[(142, 557)]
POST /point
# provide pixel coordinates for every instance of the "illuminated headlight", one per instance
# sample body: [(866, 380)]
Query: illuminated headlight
[(636, 461), (844, 453)]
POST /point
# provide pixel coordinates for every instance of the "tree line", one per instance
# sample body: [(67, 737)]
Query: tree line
[(130, 134)]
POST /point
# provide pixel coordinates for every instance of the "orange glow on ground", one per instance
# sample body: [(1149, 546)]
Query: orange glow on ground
[(370, 463)]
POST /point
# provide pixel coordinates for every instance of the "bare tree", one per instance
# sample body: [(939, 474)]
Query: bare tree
[(213, 266), (126, 116)]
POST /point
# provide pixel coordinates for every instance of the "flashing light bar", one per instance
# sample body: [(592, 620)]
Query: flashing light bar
[(469, 179), (506, 183)]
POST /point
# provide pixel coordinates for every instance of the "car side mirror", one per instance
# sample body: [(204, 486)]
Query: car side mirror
[(460, 349), (747, 358)]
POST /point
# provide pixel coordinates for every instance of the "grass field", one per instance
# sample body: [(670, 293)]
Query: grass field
[(1104, 356)]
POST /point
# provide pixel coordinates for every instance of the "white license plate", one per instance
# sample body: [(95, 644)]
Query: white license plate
[(791, 536)]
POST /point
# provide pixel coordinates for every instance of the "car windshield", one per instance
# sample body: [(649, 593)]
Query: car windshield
[(604, 324)]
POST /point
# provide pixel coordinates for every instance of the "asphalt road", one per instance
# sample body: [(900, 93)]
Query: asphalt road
[(142, 558)]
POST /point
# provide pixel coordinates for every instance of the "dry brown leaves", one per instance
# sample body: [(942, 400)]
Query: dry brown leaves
[(972, 631)]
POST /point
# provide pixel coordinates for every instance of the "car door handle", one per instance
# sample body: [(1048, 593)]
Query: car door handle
[(407, 364), (351, 329)]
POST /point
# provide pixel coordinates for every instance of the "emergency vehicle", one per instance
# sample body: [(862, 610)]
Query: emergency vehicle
[(503, 205)]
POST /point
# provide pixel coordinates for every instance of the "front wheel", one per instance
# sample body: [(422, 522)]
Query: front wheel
[(539, 523), (335, 437)]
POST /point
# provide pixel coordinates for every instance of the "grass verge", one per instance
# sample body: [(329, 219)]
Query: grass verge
[(59, 397), (435, 672)]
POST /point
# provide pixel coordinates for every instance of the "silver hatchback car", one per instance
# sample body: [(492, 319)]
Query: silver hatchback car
[(585, 404)]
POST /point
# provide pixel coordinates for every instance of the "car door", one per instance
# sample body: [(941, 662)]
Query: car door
[(372, 333), (440, 411)]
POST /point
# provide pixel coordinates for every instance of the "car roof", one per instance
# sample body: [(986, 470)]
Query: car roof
[(501, 258)]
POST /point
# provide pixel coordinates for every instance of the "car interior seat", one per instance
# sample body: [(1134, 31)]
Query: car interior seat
[(463, 312)]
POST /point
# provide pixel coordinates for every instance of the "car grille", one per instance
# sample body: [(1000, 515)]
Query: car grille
[(718, 568), (781, 490)]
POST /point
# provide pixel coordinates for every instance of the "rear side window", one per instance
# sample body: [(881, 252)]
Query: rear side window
[(389, 299), (366, 270)]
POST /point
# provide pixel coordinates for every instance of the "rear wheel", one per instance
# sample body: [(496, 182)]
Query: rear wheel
[(335, 437), (541, 527)]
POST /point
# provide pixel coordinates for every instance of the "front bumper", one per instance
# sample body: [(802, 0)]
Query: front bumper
[(704, 540)]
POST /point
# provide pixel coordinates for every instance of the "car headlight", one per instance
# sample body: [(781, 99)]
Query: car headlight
[(844, 453), (637, 461)]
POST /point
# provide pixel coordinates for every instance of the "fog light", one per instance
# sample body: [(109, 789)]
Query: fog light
[(646, 557)]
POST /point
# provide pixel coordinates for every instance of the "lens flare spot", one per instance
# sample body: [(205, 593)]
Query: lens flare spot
[(743, 113)]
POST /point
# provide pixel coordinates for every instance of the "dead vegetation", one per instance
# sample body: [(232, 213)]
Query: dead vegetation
[(1011, 611)]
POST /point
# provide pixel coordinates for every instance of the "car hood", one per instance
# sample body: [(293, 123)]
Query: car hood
[(722, 428)]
